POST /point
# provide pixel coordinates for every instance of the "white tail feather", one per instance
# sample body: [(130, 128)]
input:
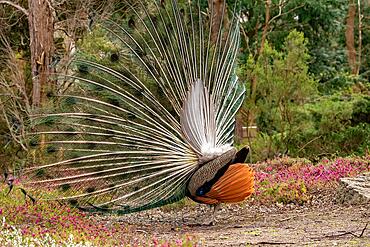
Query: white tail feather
[(198, 123)]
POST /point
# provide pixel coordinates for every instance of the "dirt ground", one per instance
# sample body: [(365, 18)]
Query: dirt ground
[(323, 224)]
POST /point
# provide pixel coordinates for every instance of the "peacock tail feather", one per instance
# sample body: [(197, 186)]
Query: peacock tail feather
[(133, 124)]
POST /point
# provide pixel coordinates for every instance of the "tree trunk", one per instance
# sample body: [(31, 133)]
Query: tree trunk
[(40, 21), (217, 10), (238, 128), (359, 46), (350, 37), (254, 80), (266, 26)]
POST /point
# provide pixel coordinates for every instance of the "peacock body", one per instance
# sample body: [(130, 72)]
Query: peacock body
[(150, 121)]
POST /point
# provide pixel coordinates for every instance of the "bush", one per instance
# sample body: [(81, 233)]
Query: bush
[(282, 85), (335, 127), (292, 117)]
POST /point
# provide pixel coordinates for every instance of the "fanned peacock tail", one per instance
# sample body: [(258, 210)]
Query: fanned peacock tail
[(138, 121)]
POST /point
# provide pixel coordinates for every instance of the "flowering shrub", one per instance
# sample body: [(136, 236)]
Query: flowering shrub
[(11, 236), (59, 222), (52, 224), (288, 180)]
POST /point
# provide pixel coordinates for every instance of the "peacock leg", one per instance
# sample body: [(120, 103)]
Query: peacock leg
[(216, 207)]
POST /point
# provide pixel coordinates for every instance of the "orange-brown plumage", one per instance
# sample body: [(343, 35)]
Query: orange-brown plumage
[(234, 186)]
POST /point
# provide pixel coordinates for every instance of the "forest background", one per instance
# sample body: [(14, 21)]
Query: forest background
[(305, 65)]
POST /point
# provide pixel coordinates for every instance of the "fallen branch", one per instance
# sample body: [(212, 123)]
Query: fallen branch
[(272, 243), (363, 230), (289, 218), (345, 233)]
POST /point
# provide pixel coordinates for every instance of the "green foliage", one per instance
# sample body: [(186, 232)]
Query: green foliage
[(291, 115), (283, 85), (331, 125), (336, 82), (339, 124), (96, 45), (361, 110), (320, 21)]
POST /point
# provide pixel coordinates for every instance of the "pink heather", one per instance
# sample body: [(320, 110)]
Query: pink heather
[(324, 172)]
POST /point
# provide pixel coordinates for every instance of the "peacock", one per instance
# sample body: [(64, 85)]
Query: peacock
[(150, 120)]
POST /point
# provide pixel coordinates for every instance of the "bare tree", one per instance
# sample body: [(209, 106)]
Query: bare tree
[(40, 21), (15, 104)]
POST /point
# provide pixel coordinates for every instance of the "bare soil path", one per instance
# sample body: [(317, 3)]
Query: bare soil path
[(326, 224)]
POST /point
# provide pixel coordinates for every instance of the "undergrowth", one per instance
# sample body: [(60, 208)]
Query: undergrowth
[(48, 223), (284, 180)]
